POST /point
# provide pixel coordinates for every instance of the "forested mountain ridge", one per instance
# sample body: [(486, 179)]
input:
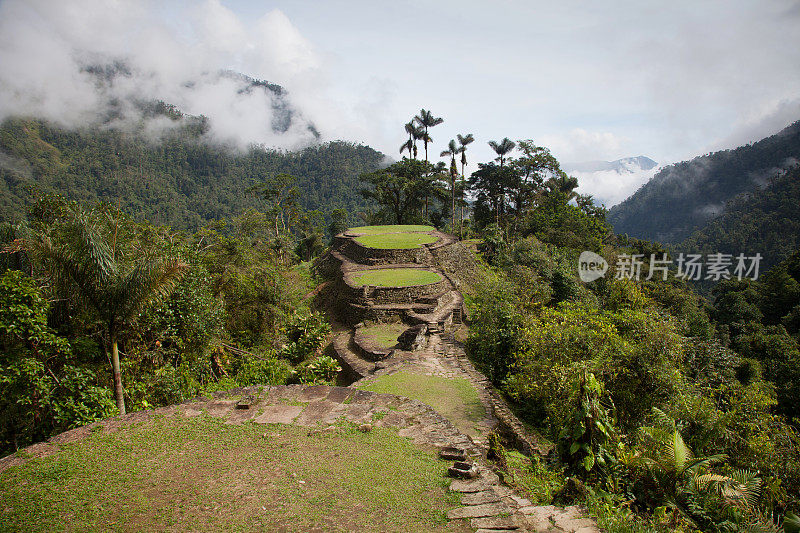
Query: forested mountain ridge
[(766, 221), (181, 181), (684, 197)]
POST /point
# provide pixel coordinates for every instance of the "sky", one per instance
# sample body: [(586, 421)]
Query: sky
[(591, 81)]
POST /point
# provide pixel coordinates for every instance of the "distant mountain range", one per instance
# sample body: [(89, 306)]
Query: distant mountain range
[(683, 198)]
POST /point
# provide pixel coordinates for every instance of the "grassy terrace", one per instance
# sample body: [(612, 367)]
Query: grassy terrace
[(395, 240), (395, 277), (453, 398), (199, 474), (384, 335), (371, 230)]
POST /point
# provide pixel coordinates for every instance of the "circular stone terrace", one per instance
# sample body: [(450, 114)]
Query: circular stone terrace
[(394, 277), (393, 237)]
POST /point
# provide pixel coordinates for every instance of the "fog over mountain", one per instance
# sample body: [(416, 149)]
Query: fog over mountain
[(683, 197), (610, 182), (89, 63)]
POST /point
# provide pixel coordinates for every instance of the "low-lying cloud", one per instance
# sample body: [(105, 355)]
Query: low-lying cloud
[(51, 52)]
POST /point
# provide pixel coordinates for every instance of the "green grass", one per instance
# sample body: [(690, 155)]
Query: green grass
[(453, 398), (396, 240), (395, 277), (537, 482), (199, 474), (391, 229), (384, 335)]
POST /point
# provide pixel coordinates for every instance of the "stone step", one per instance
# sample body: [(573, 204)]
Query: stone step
[(495, 523), (478, 511)]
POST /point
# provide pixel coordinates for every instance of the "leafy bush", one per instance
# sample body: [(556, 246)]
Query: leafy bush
[(322, 370), (588, 442), (306, 332), (266, 370), (42, 390)]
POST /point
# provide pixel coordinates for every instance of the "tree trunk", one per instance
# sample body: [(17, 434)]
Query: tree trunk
[(461, 207), (117, 376), (453, 213)]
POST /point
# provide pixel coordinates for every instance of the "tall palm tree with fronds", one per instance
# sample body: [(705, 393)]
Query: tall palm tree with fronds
[(452, 150), (407, 146), (415, 133), (463, 141), (502, 148), (427, 120), (87, 261)]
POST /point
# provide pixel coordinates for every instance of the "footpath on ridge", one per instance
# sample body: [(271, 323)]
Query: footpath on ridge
[(372, 292)]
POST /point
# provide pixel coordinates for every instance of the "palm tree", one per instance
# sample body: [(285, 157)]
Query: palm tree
[(415, 134), (427, 120), (452, 150), (407, 146), (84, 261), (562, 184), (463, 141), (683, 477), (502, 148)]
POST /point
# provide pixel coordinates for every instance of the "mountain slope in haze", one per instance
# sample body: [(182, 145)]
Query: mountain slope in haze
[(766, 221), (684, 197), (182, 180), (120, 104)]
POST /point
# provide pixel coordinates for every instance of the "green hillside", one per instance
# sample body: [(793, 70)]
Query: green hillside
[(767, 221), (180, 181), (684, 197)]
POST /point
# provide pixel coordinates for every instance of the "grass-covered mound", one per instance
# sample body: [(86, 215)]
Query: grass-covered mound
[(453, 398), (396, 240), (396, 228), (383, 335), (395, 277), (200, 474)]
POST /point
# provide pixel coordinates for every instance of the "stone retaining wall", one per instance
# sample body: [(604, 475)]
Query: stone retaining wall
[(364, 255), (406, 294), (367, 349), (458, 263)]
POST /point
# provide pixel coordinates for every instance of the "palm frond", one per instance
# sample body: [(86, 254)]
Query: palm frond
[(762, 524), (147, 281), (791, 523), (664, 419), (677, 452)]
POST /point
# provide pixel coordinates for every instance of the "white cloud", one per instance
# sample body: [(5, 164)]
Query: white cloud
[(579, 145), (610, 187), (45, 47), (766, 120)]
